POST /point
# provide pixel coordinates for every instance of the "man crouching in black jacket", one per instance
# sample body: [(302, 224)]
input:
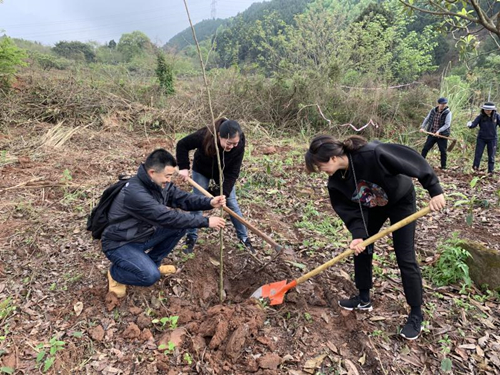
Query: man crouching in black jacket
[(142, 219)]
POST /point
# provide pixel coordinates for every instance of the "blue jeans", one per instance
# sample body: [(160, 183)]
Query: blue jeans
[(231, 202), (131, 265), (491, 144)]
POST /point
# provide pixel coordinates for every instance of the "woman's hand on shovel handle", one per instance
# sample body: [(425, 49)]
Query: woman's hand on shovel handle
[(355, 245), (184, 173), (437, 203)]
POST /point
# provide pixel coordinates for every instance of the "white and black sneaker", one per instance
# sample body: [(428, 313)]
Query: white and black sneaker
[(412, 328), (355, 303)]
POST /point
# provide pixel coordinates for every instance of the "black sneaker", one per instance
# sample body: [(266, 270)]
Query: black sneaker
[(189, 246), (248, 245), (355, 303), (412, 328)]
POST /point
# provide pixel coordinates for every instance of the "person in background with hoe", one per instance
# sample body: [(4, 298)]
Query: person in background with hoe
[(368, 183), (141, 218), (438, 122), (231, 145), (488, 120)]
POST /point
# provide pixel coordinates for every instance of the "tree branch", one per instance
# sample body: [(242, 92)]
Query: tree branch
[(438, 13), (481, 19)]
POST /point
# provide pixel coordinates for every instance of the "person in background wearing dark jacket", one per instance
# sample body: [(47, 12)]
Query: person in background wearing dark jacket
[(488, 121), (438, 121), (142, 219), (368, 183), (231, 144)]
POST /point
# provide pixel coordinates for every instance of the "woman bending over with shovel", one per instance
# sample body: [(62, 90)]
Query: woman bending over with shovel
[(369, 183), (231, 144)]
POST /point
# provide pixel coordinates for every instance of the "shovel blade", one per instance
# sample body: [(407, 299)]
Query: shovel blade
[(273, 291)]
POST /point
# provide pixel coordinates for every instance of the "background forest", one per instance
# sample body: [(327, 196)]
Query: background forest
[(357, 60)]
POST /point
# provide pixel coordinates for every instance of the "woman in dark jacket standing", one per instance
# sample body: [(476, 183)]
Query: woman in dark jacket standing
[(231, 145), (488, 121), (368, 183)]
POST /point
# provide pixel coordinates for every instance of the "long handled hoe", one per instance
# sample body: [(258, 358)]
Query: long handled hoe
[(262, 235), (276, 291), (453, 140)]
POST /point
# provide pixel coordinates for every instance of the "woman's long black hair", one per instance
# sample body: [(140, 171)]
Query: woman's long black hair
[(226, 128), (324, 147)]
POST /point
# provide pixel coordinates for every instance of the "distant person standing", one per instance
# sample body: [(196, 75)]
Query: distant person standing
[(438, 122), (488, 120)]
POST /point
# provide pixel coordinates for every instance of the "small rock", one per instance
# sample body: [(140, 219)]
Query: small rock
[(143, 321), (199, 343), (269, 361), (112, 301), (146, 335), (134, 310), (10, 360), (176, 337), (132, 332), (345, 312), (270, 150), (97, 333)]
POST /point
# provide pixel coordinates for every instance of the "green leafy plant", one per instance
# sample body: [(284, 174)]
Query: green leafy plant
[(171, 320), (446, 363), (167, 348), (48, 359), (66, 177), (6, 309), (187, 358), (451, 267), (6, 370), (471, 201), (308, 317)]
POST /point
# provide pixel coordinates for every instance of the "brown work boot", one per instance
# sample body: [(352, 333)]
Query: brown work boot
[(167, 270), (115, 287)]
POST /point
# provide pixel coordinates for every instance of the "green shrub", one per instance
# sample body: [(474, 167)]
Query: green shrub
[(165, 75), (11, 58), (450, 267)]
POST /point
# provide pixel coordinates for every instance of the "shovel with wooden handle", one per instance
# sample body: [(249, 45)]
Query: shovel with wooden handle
[(262, 235), (276, 291), (453, 140)]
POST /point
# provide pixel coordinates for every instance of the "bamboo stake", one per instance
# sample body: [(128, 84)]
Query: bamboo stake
[(205, 80)]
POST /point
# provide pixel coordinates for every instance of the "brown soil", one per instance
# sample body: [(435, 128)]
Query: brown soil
[(50, 268)]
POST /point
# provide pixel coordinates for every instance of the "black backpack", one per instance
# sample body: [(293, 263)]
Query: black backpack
[(97, 221)]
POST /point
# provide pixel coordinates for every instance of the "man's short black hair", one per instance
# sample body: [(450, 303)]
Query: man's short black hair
[(159, 159)]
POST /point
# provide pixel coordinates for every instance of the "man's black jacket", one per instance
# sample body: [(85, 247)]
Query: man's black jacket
[(142, 206)]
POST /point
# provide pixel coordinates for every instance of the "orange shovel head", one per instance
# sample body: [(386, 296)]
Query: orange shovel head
[(275, 291)]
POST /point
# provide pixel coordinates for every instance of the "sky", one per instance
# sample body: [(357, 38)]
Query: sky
[(50, 21)]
